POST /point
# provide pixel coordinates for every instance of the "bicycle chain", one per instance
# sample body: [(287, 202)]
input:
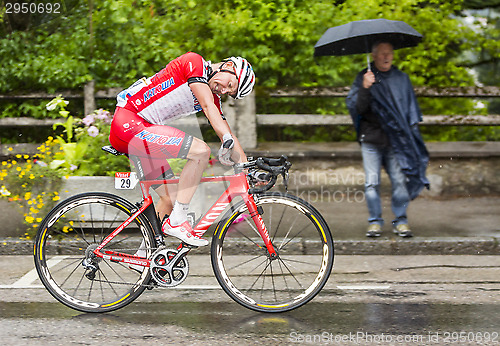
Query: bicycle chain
[(149, 286)]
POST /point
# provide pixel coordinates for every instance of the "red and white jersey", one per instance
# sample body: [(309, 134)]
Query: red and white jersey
[(167, 96)]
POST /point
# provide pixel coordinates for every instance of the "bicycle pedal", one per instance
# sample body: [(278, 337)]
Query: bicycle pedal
[(189, 246)]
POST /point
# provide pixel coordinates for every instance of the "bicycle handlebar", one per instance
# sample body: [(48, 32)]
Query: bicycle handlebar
[(274, 166)]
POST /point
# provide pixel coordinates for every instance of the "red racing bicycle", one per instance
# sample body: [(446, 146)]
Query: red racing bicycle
[(270, 252)]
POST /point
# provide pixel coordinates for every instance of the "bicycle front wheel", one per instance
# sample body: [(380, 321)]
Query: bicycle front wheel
[(250, 276), (64, 257)]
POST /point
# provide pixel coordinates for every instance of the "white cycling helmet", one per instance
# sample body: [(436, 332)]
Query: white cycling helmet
[(244, 75)]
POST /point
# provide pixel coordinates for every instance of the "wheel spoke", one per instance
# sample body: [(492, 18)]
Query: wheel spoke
[(290, 272), (71, 273), (258, 277), (288, 232), (279, 223), (295, 236), (297, 261), (250, 239), (245, 262), (287, 288), (79, 261), (252, 225)]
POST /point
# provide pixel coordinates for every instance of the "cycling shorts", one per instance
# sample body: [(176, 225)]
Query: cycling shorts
[(153, 144)]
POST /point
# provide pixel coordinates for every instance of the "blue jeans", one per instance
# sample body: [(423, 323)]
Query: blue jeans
[(374, 157)]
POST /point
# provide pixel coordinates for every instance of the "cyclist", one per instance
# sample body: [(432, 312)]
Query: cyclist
[(188, 84)]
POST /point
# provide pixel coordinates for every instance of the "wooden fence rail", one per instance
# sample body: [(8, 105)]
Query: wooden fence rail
[(244, 120)]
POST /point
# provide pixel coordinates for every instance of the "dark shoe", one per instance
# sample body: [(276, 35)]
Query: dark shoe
[(374, 230), (403, 230)]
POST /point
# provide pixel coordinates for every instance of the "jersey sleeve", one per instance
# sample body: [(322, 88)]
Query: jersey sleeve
[(218, 104), (195, 68)]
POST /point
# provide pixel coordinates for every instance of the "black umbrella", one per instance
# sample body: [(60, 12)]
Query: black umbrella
[(359, 36)]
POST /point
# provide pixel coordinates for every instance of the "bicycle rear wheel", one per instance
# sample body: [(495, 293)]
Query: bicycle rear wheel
[(302, 240), (64, 256)]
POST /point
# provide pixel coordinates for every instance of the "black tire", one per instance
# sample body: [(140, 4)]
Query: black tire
[(67, 236), (305, 254)]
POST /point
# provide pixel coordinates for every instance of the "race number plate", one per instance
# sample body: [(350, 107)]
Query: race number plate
[(125, 180)]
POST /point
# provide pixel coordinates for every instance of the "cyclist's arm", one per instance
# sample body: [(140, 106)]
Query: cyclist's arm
[(238, 154), (205, 97)]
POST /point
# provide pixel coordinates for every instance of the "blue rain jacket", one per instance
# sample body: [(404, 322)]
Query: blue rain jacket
[(394, 102)]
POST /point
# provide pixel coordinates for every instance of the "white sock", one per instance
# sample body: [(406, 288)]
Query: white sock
[(179, 213)]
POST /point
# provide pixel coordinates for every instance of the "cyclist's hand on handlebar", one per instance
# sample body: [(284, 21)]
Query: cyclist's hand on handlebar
[(226, 150), (259, 178)]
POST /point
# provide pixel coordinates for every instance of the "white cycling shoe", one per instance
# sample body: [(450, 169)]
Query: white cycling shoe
[(183, 232)]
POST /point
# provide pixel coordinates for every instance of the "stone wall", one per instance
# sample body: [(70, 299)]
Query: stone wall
[(449, 177), (339, 179)]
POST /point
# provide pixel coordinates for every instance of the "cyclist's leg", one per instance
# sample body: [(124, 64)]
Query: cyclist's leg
[(151, 142), (177, 224), (198, 158), (167, 194)]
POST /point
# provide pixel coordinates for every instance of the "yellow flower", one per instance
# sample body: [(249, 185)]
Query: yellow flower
[(32, 176), (27, 195), (4, 191), (56, 198), (18, 169), (30, 219), (18, 156), (38, 219), (10, 149), (26, 157)]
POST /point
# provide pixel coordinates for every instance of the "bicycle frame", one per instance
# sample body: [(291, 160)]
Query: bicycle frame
[(238, 186)]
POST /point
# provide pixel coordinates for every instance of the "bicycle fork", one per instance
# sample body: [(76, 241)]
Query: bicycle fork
[(255, 213)]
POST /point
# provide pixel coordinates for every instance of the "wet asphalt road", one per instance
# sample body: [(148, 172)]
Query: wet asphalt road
[(419, 300)]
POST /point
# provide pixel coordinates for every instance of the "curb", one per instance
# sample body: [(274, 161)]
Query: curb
[(413, 246)]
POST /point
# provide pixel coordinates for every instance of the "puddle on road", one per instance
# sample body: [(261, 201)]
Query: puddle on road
[(337, 318)]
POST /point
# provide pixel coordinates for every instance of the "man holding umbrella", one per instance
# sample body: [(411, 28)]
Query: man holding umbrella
[(385, 113)]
